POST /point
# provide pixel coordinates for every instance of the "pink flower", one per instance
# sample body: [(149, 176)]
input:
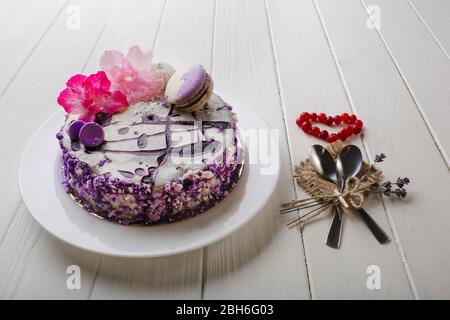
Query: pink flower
[(132, 74), (87, 96)]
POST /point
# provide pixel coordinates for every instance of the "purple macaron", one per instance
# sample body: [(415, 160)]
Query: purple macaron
[(189, 88)]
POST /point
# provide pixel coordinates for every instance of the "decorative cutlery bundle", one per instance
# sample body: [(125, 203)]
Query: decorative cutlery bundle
[(337, 178)]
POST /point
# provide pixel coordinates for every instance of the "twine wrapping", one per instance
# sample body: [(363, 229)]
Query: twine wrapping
[(325, 191)]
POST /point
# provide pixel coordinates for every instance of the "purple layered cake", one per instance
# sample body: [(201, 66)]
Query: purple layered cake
[(144, 160)]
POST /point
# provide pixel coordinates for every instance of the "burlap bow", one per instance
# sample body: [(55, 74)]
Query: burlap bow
[(323, 190)]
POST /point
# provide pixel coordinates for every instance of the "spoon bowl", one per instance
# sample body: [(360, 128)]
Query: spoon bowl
[(349, 162), (323, 162)]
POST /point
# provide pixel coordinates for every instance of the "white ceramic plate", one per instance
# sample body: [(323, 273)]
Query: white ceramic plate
[(43, 194)]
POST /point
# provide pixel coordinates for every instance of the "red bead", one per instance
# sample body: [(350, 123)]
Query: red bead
[(332, 137), (337, 119), (348, 131), (345, 117), (305, 116), (322, 117), (330, 121), (356, 129), (315, 131), (359, 123), (351, 125), (306, 127), (323, 135)]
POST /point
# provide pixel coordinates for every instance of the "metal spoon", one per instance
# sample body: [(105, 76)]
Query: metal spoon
[(323, 162), (348, 164)]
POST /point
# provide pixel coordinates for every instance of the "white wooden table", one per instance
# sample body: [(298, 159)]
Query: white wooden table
[(281, 58)]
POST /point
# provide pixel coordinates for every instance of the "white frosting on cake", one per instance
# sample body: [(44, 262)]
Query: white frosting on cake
[(145, 132)]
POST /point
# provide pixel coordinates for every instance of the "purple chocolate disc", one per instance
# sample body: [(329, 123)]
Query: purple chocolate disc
[(74, 129), (92, 135)]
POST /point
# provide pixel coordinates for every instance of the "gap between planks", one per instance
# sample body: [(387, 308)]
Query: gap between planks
[(52, 22), (366, 148), (289, 145), (401, 251), (203, 253), (97, 269), (427, 122), (429, 29), (6, 88)]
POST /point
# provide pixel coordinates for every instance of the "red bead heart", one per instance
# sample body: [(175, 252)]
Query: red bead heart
[(352, 125)]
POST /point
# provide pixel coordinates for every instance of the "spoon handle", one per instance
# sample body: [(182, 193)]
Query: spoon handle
[(334, 235), (381, 236)]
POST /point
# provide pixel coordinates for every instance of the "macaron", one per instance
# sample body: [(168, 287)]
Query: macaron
[(164, 70), (189, 88)]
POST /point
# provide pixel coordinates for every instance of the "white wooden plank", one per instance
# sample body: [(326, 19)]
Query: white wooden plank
[(185, 35), (22, 25), (395, 127), (41, 78), (47, 270), (5, 7), (176, 277), (310, 82), (424, 67), (14, 250), (33, 264), (264, 259), (435, 14)]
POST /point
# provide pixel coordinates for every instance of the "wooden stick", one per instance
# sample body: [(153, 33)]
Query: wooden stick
[(300, 219), (341, 199)]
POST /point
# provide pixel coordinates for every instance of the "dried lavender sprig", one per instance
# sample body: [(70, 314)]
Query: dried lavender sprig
[(401, 193), (402, 182), (380, 157), (385, 188)]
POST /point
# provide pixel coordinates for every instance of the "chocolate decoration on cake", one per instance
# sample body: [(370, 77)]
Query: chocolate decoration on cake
[(123, 130)]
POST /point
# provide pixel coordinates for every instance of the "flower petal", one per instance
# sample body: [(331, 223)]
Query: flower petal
[(76, 81), (97, 81), (64, 100), (110, 59), (71, 99), (140, 60), (87, 96), (133, 74)]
